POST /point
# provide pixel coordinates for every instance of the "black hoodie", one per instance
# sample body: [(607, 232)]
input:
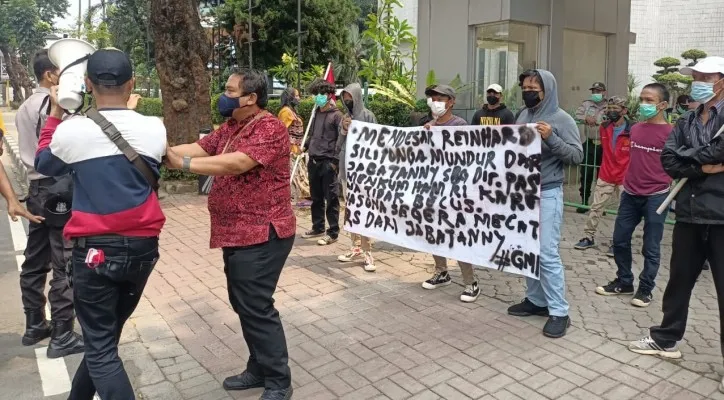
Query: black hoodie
[(498, 116)]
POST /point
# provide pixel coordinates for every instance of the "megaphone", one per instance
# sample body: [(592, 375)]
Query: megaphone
[(71, 57)]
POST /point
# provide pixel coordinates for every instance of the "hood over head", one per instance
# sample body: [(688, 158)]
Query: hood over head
[(549, 105), (355, 90)]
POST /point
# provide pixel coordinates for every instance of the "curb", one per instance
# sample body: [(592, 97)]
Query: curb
[(14, 152)]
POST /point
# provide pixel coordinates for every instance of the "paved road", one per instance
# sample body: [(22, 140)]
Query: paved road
[(25, 372)]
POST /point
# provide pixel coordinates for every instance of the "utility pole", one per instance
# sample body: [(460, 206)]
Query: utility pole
[(299, 45), (251, 38), (80, 16)]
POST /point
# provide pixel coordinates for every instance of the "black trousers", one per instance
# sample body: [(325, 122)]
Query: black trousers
[(252, 273), (105, 297), (692, 245), (592, 154), (46, 250), (324, 189)]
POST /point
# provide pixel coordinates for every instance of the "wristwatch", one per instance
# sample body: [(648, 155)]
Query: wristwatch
[(186, 166)]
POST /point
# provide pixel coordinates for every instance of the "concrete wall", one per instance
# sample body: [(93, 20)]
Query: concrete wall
[(668, 28), (570, 31)]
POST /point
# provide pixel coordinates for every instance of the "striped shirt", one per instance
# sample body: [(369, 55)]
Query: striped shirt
[(702, 133)]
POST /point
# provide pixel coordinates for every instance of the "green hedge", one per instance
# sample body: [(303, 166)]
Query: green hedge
[(387, 112)]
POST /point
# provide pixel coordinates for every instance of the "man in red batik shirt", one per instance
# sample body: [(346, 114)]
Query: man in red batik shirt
[(251, 220)]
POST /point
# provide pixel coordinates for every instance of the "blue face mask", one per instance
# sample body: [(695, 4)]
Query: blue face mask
[(227, 105), (647, 111), (702, 92), (321, 100)]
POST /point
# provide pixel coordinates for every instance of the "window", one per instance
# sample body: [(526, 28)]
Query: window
[(503, 51)]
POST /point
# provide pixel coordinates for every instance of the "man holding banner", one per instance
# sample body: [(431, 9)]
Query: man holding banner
[(561, 145), (440, 99)]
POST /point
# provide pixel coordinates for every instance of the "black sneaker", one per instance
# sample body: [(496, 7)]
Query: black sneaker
[(471, 293), (584, 244), (527, 309), (610, 251), (581, 210), (437, 280), (705, 267), (312, 234), (556, 327), (277, 394), (642, 298), (615, 287), (245, 380)]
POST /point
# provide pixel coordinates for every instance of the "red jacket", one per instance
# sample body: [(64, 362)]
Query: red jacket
[(615, 161)]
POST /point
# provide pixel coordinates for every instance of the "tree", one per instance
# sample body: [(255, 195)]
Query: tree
[(694, 55), (325, 23), (667, 65), (366, 8), (393, 56), (182, 52), (23, 28)]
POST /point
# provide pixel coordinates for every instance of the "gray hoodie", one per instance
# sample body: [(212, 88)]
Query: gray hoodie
[(359, 113), (563, 146)]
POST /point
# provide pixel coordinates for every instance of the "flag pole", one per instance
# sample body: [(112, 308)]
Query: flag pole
[(306, 132)]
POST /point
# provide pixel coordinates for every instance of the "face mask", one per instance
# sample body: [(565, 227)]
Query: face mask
[(613, 116), (227, 105), (647, 111), (531, 98), (349, 104), (437, 108), (492, 100), (702, 92), (321, 100), (294, 102), (682, 108), (597, 97)]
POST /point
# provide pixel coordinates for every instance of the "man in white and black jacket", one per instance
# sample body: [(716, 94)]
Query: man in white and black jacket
[(692, 151)]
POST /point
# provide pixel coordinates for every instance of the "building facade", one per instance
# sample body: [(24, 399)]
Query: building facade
[(493, 41), (667, 28)]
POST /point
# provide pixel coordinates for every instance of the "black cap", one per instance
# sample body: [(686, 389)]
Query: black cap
[(109, 67), (443, 90)]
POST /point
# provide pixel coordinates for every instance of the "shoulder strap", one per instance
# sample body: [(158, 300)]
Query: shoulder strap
[(44, 105), (112, 132)]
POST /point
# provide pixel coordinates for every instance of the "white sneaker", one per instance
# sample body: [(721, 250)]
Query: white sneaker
[(350, 256), (369, 262), (326, 240), (649, 347)]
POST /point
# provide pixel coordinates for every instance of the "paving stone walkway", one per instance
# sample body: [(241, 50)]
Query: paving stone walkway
[(358, 335)]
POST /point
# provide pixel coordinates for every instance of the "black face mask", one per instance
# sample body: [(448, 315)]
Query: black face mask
[(531, 98), (492, 100), (613, 116), (349, 104)]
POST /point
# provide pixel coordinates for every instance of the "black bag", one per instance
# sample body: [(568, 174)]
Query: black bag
[(112, 132)]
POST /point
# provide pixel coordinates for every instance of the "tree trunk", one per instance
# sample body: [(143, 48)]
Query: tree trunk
[(15, 80), (182, 53)]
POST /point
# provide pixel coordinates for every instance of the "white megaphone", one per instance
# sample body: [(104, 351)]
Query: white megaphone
[(71, 57)]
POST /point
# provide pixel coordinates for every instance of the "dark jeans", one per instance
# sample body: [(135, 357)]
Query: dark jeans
[(592, 153), (44, 251), (691, 245), (324, 188), (630, 212), (105, 298), (252, 273)]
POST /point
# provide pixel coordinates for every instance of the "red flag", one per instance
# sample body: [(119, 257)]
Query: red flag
[(330, 78)]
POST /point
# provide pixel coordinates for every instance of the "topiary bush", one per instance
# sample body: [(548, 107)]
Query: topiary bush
[(390, 112), (149, 106)]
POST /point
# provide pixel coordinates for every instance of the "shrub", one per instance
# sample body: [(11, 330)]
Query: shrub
[(390, 112), (150, 107), (176, 175)]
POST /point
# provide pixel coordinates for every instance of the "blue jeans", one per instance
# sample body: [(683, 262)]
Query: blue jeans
[(550, 290), (630, 212)]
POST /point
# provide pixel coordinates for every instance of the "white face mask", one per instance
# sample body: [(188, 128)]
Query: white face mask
[(438, 108)]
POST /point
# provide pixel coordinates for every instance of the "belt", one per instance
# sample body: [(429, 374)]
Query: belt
[(43, 181), (82, 242)]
